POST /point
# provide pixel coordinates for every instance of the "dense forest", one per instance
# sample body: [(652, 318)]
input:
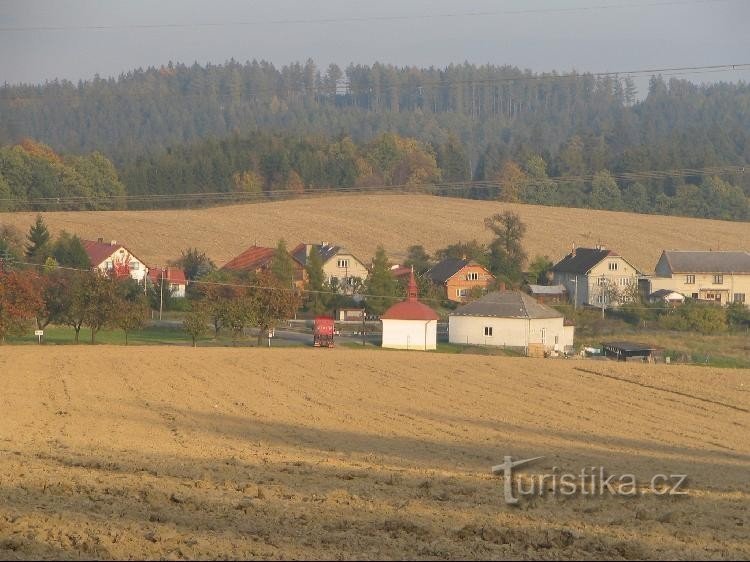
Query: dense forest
[(256, 129)]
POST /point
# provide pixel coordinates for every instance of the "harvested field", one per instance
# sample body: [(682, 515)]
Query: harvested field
[(194, 453), (360, 222)]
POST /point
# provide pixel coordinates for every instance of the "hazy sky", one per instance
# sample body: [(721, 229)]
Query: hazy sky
[(634, 34)]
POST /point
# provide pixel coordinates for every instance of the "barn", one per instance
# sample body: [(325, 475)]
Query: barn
[(410, 324)]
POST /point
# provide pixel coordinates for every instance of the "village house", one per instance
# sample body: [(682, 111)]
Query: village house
[(459, 277), (172, 277), (258, 258), (510, 319), (596, 276), (410, 324), (338, 264), (721, 276), (109, 257)]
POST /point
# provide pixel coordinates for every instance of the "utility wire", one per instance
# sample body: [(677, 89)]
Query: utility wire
[(359, 19)]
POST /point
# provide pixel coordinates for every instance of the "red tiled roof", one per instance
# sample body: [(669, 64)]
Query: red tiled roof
[(173, 275), (99, 251), (409, 311), (252, 259)]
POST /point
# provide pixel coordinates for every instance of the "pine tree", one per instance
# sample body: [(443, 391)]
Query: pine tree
[(38, 241), (381, 286), (317, 300), (282, 265)]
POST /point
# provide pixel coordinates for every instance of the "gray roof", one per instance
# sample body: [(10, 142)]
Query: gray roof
[(680, 261), (507, 304), (547, 289), (326, 252), (444, 270), (582, 260)]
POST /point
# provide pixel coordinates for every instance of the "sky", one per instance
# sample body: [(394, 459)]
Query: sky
[(77, 39)]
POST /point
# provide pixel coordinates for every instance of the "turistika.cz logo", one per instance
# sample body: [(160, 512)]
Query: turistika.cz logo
[(590, 481)]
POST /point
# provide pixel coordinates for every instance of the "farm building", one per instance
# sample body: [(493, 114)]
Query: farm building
[(549, 294), (459, 277), (111, 256), (410, 324), (257, 258), (510, 319)]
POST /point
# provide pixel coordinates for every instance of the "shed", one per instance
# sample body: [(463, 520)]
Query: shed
[(624, 350)]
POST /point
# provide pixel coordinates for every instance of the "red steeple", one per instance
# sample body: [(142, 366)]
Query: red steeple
[(413, 292)]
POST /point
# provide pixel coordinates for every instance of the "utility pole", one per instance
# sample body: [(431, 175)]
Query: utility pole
[(161, 294), (364, 317)]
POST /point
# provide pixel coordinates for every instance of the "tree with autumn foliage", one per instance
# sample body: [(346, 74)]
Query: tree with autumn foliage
[(20, 299), (272, 300)]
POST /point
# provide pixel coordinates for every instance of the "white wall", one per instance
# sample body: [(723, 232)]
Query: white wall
[(510, 332), (123, 255), (410, 334)]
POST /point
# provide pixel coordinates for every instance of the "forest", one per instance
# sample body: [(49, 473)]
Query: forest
[(257, 131)]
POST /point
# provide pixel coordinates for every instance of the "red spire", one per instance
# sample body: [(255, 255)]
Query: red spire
[(413, 292)]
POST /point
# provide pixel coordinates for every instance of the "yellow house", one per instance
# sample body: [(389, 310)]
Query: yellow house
[(722, 277), (338, 263)]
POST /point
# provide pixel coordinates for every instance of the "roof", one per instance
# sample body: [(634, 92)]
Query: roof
[(507, 304), (682, 261), (172, 275), (444, 270), (98, 252), (629, 346), (547, 289), (326, 252), (400, 270), (411, 308), (582, 260), (252, 259)]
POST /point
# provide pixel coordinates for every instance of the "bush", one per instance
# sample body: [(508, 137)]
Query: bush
[(705, 318)]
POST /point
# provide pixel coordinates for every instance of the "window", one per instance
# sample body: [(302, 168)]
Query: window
[(718, 279), (472, 276), (601, 281), (134, 266), (695, 296), (343, 264), (739, 297), (544, 335), (613, 266), (108, 265), (690, 279), (462, 292), (488, 331)]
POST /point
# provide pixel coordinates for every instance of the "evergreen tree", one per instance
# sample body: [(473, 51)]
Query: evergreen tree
[(317, 300), (506, 251), (38, 241), (282, 264), (381, 287), (68, 251)]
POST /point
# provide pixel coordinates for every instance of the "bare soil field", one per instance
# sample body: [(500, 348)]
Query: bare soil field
[(360, 222), (176, 453)]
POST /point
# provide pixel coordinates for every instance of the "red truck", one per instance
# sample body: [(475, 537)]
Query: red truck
[(323, 330)]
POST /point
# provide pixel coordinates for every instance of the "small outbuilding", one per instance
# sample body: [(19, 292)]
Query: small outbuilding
[(410, 324), (625, 350)]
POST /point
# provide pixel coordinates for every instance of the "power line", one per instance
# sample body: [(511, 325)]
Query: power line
[(359, 19)]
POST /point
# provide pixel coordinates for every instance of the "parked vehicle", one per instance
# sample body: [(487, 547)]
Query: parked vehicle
[(323, 331)]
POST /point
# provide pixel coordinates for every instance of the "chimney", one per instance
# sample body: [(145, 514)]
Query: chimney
[(100, 240), (573, 251), (113, 243), (308, 249)]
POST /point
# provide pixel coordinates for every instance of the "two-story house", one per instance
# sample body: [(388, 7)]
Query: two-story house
[(722, 277), (459, 277), (109, 257), (338, 263), (596, 277)]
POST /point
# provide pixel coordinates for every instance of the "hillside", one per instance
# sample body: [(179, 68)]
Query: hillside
[(183, 453), (360, 223)]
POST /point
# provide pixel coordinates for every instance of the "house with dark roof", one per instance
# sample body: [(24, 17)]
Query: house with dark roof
[(596, 276), (510, 319), (258, 258), (338, 263), (459, 276), (716, 276), (109, 257)]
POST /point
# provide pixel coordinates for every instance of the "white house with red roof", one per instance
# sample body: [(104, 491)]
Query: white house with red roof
[(111, 256), (410, 324), (173, 279)]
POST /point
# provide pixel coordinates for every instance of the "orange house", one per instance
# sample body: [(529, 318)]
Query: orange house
[(459, 277)]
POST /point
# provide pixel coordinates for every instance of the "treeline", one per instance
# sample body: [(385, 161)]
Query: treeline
[(31, 171), (676, 125)]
